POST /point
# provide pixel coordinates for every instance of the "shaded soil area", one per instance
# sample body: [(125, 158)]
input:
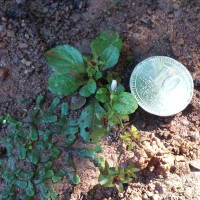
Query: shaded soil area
[(168, 152)]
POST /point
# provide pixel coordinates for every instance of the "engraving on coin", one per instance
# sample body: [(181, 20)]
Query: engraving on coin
[(161, 85)]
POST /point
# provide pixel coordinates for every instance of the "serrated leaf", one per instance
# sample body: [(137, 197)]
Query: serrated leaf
[(21, 152), (21, 184), (30, 191), (104, 40), (124, 103), (110, 57), (77, 102), (103, 95), (90, 127), (33, 133), (65, 59), (64, 84)]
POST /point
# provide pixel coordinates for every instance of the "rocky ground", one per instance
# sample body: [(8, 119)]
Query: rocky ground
[(168, 152)]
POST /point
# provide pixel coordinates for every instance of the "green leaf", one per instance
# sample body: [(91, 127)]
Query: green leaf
[(110, 57), (92, 129), (98, 75), (65, 59), (103, 95), (21, 152), (91, 84), (21, 184), (30, 191), (49, 174), (89, 153), (54, 195), (64, 84), (77, 102), (73, 177), (64, 110), (44, 192), (47, 119), (53, 105), (124, 103), (9, 148), (33, 156), (57, 177), (33, 133), (39, 100), (84, 91), (104, 40), (23, 175), (48, 165), (55, 152)]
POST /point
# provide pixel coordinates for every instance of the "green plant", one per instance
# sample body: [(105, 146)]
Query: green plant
[(113, 176), (73, 72), (30, 143), (109, 103)]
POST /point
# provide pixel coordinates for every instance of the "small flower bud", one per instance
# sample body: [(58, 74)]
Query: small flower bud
[(113, 85)]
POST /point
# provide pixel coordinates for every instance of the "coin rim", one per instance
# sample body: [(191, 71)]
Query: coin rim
[(188, 75)]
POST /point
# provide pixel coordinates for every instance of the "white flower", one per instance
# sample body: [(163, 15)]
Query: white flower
[(113, 85)]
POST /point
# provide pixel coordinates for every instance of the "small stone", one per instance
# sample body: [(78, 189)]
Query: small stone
[(155, 197), (26, 36), (181, 41), (23, 45), (1, 28), (180, 158), (10, 33), (28, 63), (145, 197), (3, 73), (151, 187)]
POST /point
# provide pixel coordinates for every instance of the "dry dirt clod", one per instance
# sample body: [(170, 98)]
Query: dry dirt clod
[(3, 73)]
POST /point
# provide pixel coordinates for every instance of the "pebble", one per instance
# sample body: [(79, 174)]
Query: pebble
[(3, 73), (10, 33), (181, 41), (23, 46), (155, 197)]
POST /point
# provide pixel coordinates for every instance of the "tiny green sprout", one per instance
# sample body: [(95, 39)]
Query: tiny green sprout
[(113, 176)]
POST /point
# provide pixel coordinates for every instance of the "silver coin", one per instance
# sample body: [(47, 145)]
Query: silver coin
[(161, 85)]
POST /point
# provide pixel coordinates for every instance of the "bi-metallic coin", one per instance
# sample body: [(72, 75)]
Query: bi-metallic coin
[(161, 85)]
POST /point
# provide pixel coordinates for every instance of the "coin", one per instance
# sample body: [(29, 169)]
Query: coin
[(161, 85)]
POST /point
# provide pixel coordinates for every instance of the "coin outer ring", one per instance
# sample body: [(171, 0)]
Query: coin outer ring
[(179, 66)]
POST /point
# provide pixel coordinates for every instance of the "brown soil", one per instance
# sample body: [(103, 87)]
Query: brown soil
[(170, 155)]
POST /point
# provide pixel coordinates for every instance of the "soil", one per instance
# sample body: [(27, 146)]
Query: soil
[(169, 153)]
